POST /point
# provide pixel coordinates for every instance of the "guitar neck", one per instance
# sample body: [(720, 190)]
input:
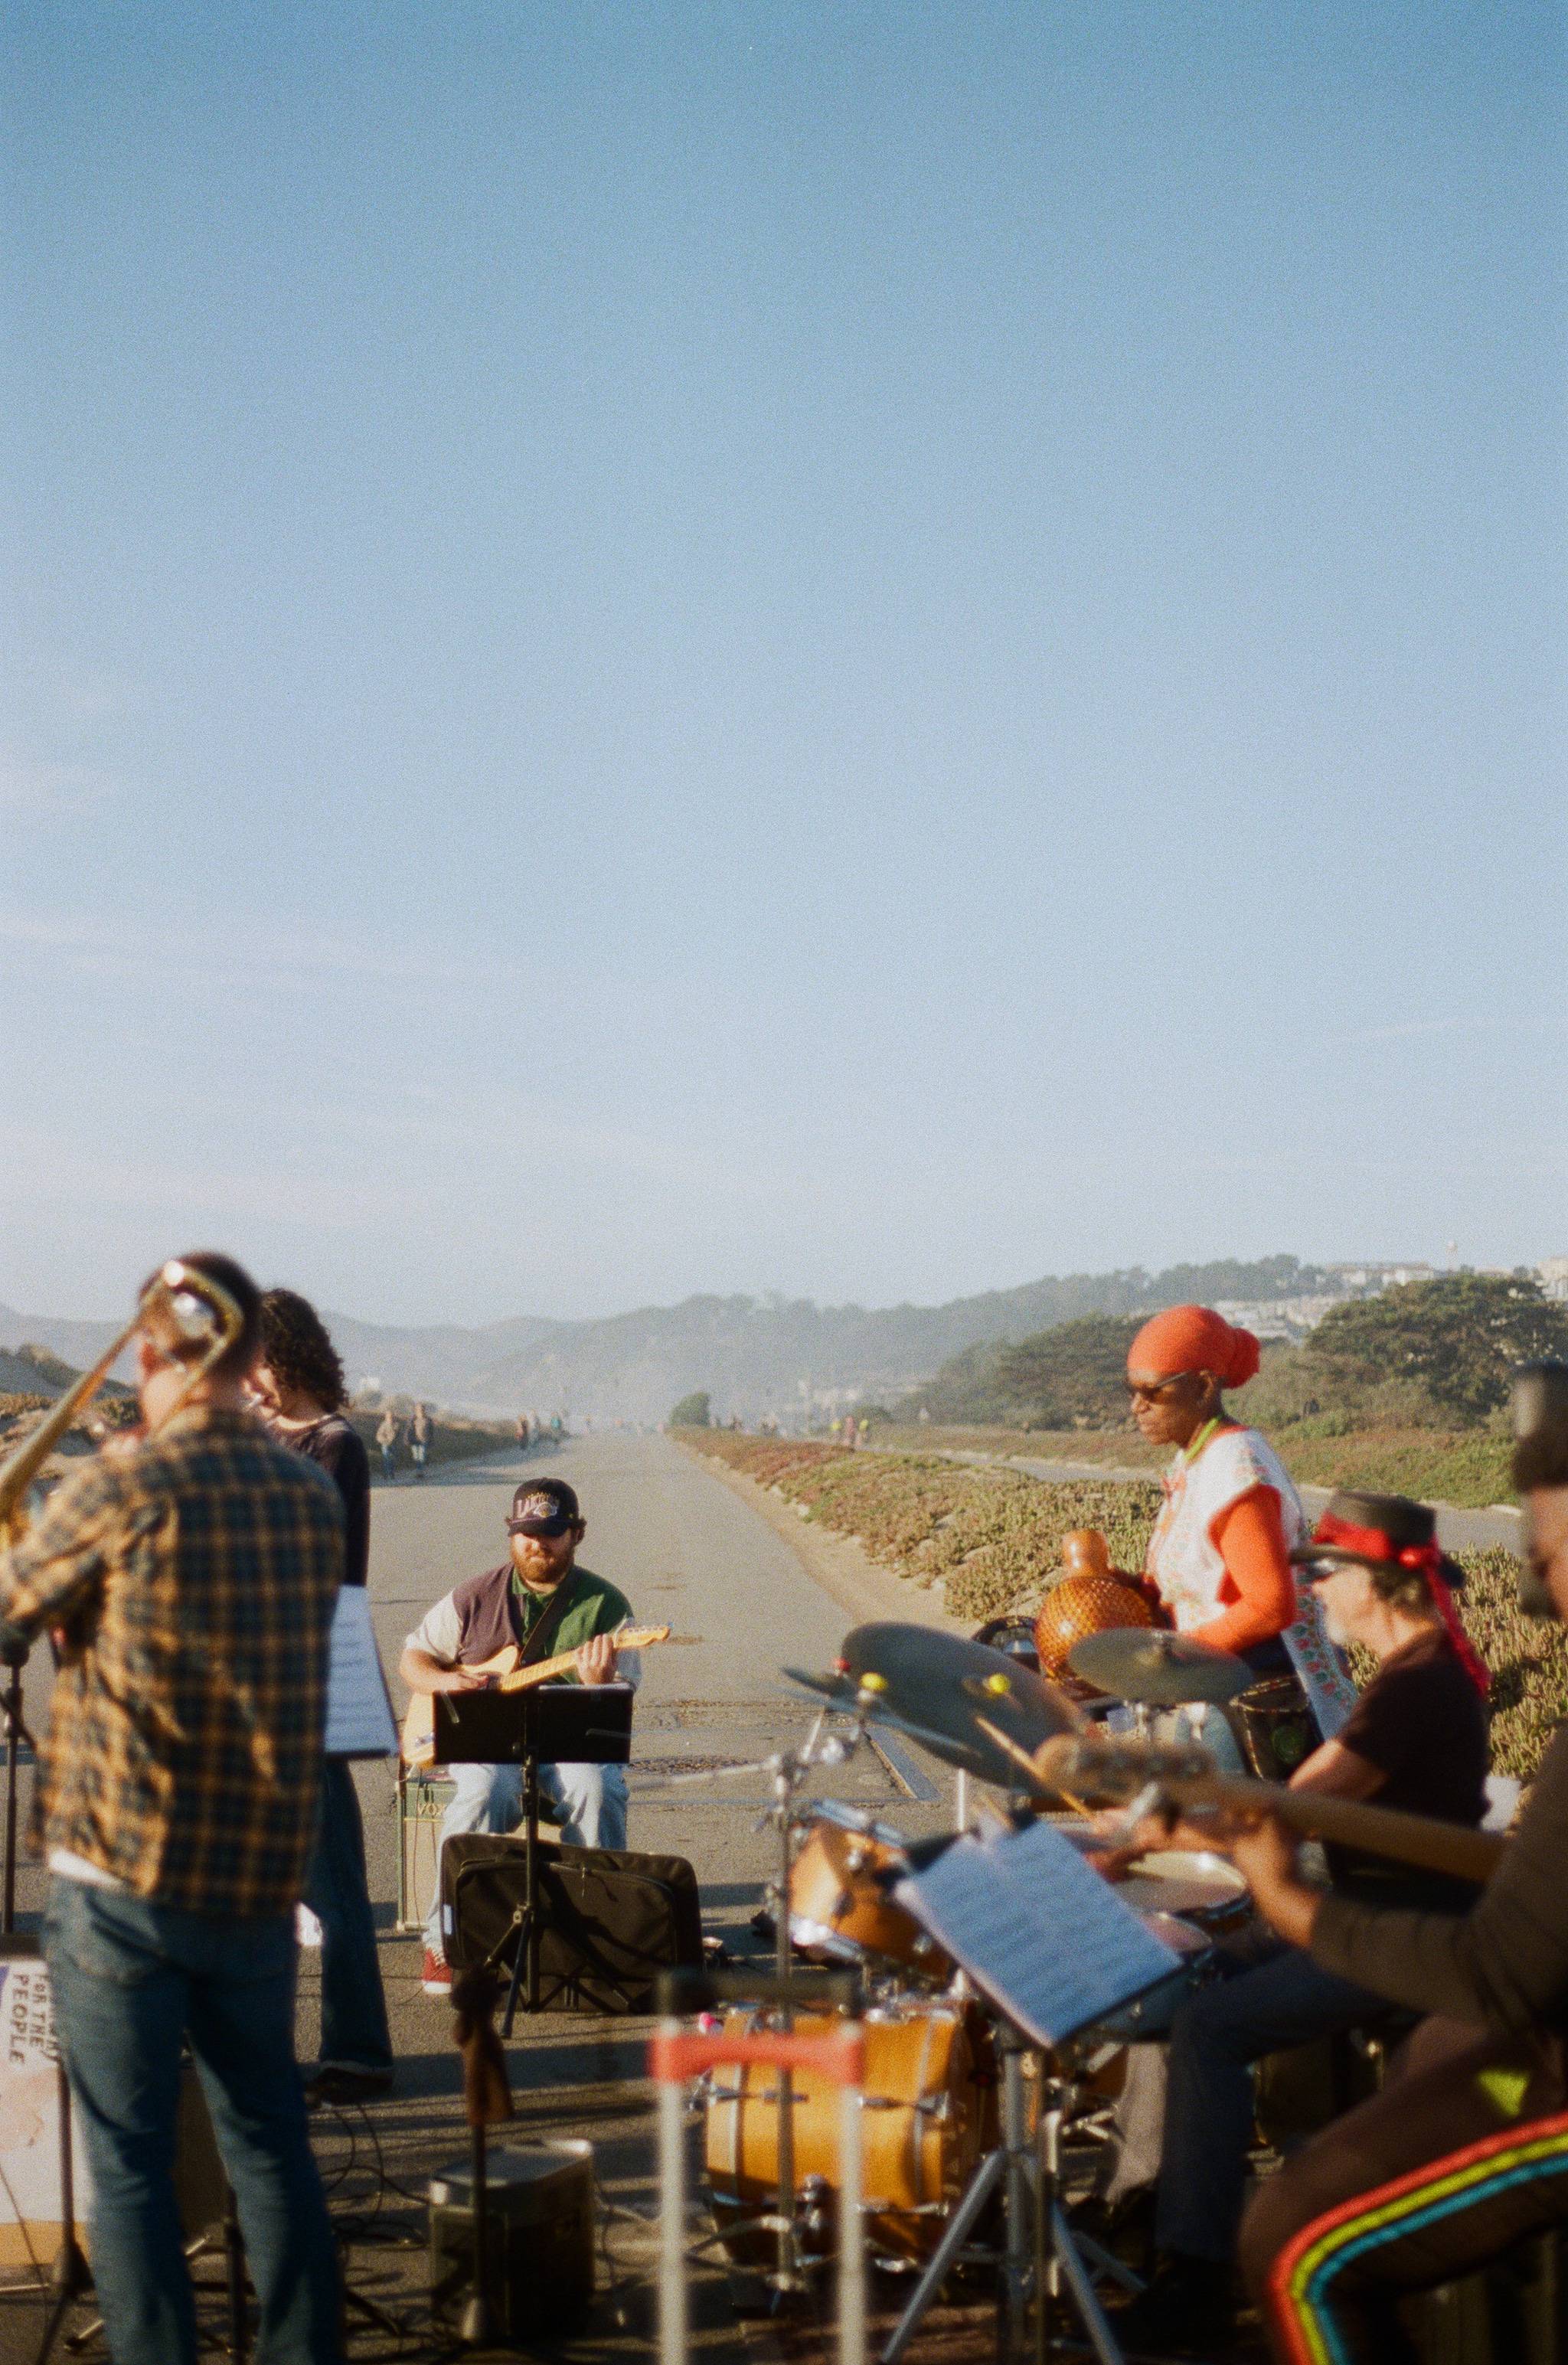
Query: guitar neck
[(630, 1638), (521, 1679), (1453, 1848)]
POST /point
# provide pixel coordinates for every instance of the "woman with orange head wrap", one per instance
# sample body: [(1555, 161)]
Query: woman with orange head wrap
[(1219, 1556)]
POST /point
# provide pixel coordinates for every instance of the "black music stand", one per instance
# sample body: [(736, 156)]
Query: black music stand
[(545, 1724)]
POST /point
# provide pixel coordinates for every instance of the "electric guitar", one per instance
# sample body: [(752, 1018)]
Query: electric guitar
[(505, 1675), (1079, 1766)]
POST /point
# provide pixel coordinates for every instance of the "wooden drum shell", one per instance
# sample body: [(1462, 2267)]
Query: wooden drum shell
[(923, 2123)]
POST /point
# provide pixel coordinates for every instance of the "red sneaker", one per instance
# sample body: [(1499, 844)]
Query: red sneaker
[(436, 1975)]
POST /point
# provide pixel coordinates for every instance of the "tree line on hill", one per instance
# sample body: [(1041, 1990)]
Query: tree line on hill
[(1427, 1354)]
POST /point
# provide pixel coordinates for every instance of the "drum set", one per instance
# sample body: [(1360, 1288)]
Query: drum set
[(975, 2138)]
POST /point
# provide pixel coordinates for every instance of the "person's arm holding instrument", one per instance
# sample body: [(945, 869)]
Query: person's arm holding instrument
[(430, 1660)]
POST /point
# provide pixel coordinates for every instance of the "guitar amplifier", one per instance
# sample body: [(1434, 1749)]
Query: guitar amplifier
[(539, 2231)]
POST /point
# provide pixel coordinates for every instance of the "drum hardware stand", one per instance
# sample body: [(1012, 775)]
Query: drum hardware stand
[(1042, 2258), (790, 1770), (787, 1770)]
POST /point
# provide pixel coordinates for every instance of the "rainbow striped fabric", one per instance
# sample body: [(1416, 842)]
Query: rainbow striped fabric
[(1301, 2281)]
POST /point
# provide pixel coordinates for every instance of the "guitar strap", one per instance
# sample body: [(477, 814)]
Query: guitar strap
[(541, 1642)]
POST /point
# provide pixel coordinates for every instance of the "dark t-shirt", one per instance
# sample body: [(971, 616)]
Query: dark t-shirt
[(1423, 1723), (338, 1446)]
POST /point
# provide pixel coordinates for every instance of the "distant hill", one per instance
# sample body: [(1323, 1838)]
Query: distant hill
[(33, 1371), (753, 1354)]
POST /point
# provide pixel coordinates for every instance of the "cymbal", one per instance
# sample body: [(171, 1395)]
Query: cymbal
[(934, 1688), (1157, 1670)]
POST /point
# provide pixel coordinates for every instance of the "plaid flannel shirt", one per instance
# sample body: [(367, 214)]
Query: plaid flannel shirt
[(194, 1577)]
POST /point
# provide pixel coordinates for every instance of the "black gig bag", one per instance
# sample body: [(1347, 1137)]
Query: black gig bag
[(609, 1920)]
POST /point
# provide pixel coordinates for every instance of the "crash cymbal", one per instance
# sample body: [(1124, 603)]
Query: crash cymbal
[(1157, 1670), (935, 1687)]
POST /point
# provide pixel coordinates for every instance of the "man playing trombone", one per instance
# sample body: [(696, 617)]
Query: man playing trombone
[(188, 1580)]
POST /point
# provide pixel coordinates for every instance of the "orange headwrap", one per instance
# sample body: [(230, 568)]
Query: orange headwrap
[(1194, 1338)]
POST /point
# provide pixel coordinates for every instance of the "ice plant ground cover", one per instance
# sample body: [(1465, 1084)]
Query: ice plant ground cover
[(990, 1539)]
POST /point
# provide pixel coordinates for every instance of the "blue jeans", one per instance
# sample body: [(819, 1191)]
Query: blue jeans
[(1268, 1995), (131, 1978), (354, 2034), (591, 1800)]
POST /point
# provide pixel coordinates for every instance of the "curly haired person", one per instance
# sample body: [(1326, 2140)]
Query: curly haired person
[(297, 1382)]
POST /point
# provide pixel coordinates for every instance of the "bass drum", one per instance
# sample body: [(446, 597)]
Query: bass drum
[(923, 2123), (839, 1902)]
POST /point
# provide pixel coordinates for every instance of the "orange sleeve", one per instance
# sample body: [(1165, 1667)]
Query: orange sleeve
[(1252, 1540)]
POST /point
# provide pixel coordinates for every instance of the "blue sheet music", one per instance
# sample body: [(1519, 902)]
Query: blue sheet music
[(1038, 1929)]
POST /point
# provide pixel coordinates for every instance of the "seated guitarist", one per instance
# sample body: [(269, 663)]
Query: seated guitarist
[(1417, 1739), (540, 1601)]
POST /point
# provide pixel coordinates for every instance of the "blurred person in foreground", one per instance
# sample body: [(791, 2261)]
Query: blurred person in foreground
[(1466, 2149), (189, 1579), (297, 1383)]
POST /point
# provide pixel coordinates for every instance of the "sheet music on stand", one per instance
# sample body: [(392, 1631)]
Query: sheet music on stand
[(1036, 1927), (359, 1723)]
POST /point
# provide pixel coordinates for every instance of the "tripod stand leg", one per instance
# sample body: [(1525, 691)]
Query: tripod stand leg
[(1022, 2168), (68, 2278), (1085, 2298), (982, 2184)]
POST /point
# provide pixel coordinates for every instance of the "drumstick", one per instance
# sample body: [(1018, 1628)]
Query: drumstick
[(1025, 1765)]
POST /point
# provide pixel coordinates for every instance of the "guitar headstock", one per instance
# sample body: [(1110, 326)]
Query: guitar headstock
[(1105, 1766)]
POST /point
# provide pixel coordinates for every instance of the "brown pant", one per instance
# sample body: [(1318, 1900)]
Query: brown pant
[(1465, 2148)]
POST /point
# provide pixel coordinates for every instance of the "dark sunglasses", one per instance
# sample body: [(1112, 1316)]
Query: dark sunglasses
[(1150, 1391)]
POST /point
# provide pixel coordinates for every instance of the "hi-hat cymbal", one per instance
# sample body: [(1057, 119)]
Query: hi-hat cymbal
[(935, 1687), (1157, 1670)]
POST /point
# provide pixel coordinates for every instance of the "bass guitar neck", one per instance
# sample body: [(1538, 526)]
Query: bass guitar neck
[(1457, 1849), (1121, 1770)]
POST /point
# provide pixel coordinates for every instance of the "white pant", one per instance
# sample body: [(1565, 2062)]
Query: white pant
[(591, 1800)]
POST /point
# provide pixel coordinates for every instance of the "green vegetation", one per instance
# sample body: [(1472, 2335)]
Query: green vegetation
[(1454, 1340), (693, 1412), (1403, 1391), (992, 1540)]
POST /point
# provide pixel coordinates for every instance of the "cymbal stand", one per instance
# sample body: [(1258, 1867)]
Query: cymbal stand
[(790, 1770)]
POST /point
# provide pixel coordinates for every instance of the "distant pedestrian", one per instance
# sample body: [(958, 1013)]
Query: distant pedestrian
[(522, 1432), (862, 1436), (387, 1438), (849, 1432), (419, 1440)]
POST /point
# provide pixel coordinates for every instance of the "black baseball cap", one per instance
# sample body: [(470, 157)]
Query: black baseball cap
[(543, 1507)]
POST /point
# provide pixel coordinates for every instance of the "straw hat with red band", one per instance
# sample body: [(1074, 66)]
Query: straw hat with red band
[(1392, 1532), (1194, 1338)]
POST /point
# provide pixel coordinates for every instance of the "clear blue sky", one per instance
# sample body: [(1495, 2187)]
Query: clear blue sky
[(861, 649)]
